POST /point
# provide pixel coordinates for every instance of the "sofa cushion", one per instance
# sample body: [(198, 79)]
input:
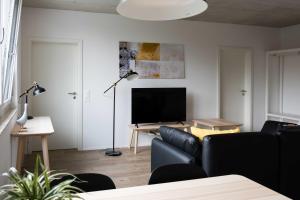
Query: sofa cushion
[(163, 154), (182, 140)]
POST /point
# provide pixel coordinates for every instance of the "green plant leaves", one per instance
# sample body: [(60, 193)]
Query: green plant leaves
[(37, 185)]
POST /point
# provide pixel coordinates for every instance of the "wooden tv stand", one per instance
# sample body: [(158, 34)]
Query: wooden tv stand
[(153, 129)]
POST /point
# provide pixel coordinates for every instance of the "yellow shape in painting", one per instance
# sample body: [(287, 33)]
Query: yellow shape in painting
[(155, 75), (148, 51)]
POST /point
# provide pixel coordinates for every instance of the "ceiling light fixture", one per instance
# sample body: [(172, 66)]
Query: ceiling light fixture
[(161, 10)]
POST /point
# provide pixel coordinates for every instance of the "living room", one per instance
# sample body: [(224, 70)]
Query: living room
[(73, 49)]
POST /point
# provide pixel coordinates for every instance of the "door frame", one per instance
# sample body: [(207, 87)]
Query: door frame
[(79, 83), (249, 82)]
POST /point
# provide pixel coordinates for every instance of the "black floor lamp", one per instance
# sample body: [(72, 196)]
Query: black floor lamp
[(129, 76)]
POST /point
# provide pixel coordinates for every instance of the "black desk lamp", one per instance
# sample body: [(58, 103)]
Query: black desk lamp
[(37, 90), (129, 76)]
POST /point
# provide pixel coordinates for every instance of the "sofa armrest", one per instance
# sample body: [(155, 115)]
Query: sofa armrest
[(163, 154)]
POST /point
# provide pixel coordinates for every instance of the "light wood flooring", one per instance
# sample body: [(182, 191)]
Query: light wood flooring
[(126, 171)]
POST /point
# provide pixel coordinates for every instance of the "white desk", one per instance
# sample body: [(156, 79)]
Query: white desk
[(231, 187), (38, 126)]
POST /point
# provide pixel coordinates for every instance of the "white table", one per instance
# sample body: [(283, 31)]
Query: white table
[(36, 127), (232, 187)]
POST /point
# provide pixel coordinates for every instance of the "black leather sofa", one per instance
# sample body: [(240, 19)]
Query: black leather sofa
[(269, 157)]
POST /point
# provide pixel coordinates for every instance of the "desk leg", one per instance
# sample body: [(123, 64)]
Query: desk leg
[(131, 138), (136, 141), (45, 152), (20, 154)]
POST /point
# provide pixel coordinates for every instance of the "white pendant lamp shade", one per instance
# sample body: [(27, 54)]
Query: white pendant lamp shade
[(161, 10)]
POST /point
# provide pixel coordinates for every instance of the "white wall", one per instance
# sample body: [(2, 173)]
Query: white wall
[(290, 37), (101, 34), (7, 151)]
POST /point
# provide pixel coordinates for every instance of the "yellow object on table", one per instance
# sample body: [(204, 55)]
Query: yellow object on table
[(201, 132), (204, 127)]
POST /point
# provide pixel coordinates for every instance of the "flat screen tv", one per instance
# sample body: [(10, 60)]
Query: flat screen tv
[(153, 105)]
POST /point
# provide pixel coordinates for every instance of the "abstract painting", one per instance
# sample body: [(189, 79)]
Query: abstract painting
[(152, 60)]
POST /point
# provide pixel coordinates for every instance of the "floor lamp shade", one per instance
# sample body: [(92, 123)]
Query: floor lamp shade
[(129, 76)]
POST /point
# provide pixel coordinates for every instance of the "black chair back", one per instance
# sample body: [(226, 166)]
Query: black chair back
[(89, 182), (176, 172)]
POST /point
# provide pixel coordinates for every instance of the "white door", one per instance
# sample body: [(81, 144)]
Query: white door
[(56, 67), (235, 85)]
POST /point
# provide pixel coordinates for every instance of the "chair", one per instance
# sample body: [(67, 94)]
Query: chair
[(176, 172), (89, 182)]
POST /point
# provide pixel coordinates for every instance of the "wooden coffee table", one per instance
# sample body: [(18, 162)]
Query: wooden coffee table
[(216, 124)]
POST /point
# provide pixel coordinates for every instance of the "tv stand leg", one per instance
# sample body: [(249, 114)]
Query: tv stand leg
[(136, 141), (131, 136)]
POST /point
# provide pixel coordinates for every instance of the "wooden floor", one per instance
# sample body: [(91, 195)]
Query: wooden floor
[(126, 171)]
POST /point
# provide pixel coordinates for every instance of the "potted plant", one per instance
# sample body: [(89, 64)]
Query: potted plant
[(38, 185)]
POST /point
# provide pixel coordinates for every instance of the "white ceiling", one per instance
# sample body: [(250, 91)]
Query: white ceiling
[(271, 13)]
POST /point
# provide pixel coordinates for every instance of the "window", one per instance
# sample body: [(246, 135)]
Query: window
[(10, 19), (10, 49), (9, 27), (1, 45)]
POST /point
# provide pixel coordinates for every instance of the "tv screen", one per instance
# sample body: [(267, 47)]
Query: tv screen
[(152, 105)]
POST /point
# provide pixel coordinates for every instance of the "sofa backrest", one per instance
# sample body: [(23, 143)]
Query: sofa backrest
[(274, 127), (253, 155), (290, 162), (182, 140)]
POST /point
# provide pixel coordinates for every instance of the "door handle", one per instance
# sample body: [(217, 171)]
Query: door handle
[(243, 92), (72, 93)]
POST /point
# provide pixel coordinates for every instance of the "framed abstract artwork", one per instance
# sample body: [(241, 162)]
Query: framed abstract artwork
[(152, 60)]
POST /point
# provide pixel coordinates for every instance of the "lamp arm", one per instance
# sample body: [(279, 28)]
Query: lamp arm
[(113, 85), (27, 91)]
